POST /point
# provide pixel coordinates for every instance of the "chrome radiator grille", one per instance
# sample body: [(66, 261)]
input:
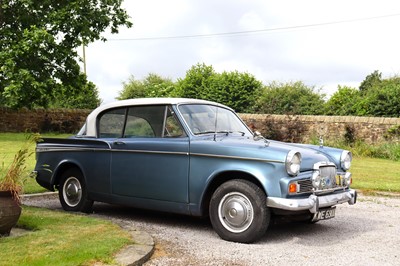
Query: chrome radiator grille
[(328, 177), (305, 186), (329, 180)]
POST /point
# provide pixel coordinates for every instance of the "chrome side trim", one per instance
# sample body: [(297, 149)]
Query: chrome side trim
[(109, 150), (68, 149), (236, 157), (313, 202), (151, 152)]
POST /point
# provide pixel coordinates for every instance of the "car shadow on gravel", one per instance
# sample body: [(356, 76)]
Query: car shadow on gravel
[(327, 232), (147, 216)]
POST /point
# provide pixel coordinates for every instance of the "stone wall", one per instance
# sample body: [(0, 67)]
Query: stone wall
[(280, 127), (304, 128), (42, 120)]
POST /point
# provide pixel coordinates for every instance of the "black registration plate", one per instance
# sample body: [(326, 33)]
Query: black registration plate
[(324, 214)]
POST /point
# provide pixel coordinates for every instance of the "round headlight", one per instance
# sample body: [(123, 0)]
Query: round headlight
[(293, 162), (345, 160)]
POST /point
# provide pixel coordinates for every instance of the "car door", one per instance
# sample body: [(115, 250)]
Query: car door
[(151, 159)]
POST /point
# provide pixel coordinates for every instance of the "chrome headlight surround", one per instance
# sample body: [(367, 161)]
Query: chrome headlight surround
[(293, 162), (345, 160)]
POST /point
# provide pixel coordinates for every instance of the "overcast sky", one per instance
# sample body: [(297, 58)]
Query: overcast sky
[(322, 43)]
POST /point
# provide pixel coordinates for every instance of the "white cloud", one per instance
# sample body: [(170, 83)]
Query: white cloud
[(324, 56)]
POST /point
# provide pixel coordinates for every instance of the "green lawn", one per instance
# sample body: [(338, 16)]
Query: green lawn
[(59, 238), (371, 174)]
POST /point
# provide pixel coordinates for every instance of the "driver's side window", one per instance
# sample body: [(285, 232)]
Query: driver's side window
[(158, 121)]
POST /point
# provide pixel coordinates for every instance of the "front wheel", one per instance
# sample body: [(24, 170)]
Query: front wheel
[(238, 211), (73, 193)]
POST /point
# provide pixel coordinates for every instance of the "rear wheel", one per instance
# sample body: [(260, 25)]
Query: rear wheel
[(73, 192), (238, 211)]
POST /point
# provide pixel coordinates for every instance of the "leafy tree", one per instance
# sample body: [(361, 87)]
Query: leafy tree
[(290, 98), (234, 89), (132, 89), (382, 99), (158, 86), (197, 80), (83, 97), (151, 86), (372, 80), (376, 97), (38, 41), (343, 102)]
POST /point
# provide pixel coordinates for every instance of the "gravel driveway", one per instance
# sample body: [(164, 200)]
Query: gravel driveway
[(367, 233)]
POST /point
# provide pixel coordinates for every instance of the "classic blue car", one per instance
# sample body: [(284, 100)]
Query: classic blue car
[(197, 158)]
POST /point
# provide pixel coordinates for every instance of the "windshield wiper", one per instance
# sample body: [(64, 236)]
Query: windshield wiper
[(240, 132), (227, 132), (205, 132)]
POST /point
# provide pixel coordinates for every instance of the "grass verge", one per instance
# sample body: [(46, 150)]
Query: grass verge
[(385, 150), (372, 174), (58, 238)]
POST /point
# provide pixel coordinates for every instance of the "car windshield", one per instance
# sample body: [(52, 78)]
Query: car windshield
[(207, 119)]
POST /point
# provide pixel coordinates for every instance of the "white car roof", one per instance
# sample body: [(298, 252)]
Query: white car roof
[(91, 119)]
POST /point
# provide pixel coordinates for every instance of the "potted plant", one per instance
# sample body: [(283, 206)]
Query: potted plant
[(11, 187)]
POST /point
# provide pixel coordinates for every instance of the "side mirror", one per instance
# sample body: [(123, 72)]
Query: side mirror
[(257, 136)]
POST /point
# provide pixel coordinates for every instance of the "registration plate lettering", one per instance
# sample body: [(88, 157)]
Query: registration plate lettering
[(324, 214)]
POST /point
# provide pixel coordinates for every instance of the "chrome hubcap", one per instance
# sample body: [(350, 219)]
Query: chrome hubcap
[(72, 191), (235, 212)]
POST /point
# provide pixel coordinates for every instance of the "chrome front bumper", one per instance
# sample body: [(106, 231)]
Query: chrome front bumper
[(313, 203)]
